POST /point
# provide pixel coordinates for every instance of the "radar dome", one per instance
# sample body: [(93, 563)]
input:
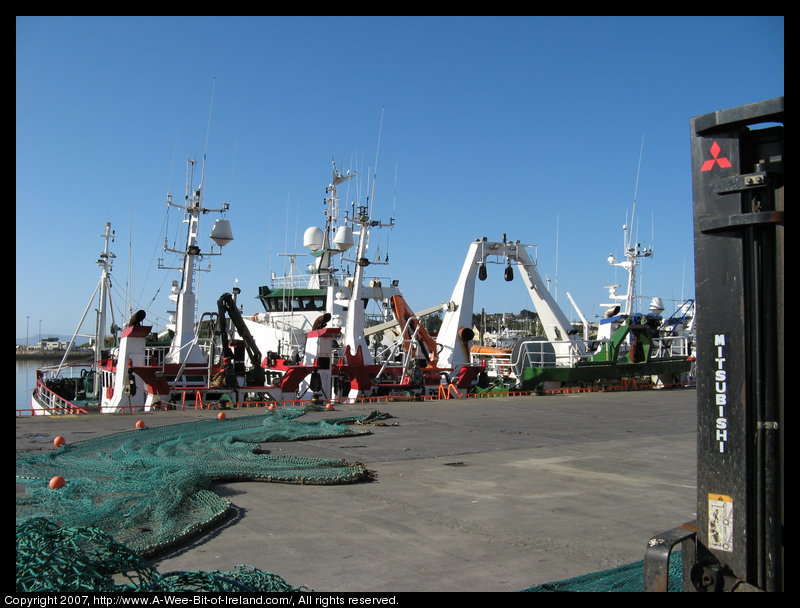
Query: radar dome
[(656, 305), (344, 238), (221, 233), (313, 238)]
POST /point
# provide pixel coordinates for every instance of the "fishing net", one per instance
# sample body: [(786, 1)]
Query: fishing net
[(51, 557), (129, 495), (80, 559), (627, 578), (148, 488)]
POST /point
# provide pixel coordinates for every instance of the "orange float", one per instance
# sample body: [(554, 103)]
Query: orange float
[(140, 424), (57, 482), (59, 441)]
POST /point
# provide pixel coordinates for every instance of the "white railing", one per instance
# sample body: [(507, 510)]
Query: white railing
[(51, 403), (72, 370), (155, 355), (543, 353), (674, 346)]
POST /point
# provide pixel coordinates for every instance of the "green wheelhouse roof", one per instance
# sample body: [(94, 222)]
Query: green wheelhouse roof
[(284, 293)]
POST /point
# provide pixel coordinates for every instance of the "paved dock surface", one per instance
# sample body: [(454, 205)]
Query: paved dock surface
[(470, 495)]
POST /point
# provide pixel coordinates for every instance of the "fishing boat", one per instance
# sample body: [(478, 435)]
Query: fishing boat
[(296, 302), (560, 346), (670, 338), (65, 389), (139, 372), (351, 335), (627, 344), (315, 339)]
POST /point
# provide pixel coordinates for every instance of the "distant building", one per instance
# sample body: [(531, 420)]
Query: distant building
[(52, 344)]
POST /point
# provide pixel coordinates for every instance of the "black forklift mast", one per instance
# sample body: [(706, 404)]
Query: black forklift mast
[(736, 542)]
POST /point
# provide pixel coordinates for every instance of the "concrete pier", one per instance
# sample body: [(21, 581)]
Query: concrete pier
[(470, 495)]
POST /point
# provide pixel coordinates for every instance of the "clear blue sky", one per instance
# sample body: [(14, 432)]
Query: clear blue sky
[(529, 126)]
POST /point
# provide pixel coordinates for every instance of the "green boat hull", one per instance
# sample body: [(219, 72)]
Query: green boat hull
[(534, 377)]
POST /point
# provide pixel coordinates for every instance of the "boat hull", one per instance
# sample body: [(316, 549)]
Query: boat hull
[(533, 378)]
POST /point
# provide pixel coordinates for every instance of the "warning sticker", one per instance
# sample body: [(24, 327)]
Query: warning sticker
[(720, 522)]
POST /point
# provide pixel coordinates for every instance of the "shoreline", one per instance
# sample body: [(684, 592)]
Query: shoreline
[(52, 356)]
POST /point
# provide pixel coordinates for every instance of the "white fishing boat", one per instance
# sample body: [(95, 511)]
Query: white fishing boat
[(352, 335), (133, 374), (626, 344), (71, 388), (560, 345), (295, 302)]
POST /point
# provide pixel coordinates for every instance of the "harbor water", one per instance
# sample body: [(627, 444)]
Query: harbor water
[(26, 380)]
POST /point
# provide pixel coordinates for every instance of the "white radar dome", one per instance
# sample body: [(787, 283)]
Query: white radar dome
[(344, 238), (656, 305), (313, 238), (221, 233)]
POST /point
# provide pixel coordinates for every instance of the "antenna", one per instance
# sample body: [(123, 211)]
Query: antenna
[(394, 194), (635, 193), (394, 210), (557, 234), (638, 169), (208, 130), (632, 249), (375, 173)]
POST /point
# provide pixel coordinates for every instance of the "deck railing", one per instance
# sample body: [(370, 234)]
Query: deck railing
[(51, 403)]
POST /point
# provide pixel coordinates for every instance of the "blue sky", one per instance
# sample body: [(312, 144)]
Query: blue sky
[(472, 126)]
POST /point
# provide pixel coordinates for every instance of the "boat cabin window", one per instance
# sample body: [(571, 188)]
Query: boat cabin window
[(295, 303)]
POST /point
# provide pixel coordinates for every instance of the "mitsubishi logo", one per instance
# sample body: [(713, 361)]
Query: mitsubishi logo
[(723, 162)]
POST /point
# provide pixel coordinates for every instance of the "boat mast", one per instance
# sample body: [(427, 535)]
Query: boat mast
[(354, 323), (322, 276), (103, 284), (632, 254), (183, 347)]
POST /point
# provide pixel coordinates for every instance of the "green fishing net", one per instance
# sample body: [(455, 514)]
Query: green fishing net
[(627, 578), (130, 495), (148, 488), (51, 558)]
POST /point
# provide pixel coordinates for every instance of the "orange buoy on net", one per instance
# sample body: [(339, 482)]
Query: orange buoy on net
[(140, 424), (57, 482), (59, 441), (221, 416), (329, 406)]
